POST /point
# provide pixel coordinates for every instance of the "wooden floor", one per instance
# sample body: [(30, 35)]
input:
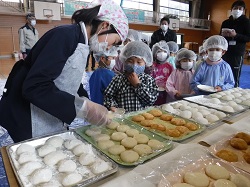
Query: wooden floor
[(6, 65)]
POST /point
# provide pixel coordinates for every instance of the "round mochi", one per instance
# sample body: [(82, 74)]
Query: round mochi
[(155, 144), (191, 126), (41, 175), (45, 149), (81, 148), (217, 172), (99, 167), (86, 159), (237, 94), (224, 183), (132, 132), (93, 131), (227, 155), (155, 112), (166, 117), (70, 144), (220, 114), (26, 157), (116, 149), (202, 120), (66, 166), (101, 137), (196, 179), (122, 128), (177, 105), (129, 156), (183, 102), (25, 148), (178, 121), (183, 185), (54, 157), (55, 141), (227, 98), (138, 118), (141, 138), (238, 100), (167, 107), (147, 116), (129, 142), (215, 95), (221, 93), (185, 107), (238, 107), (105, 144), (212, 118), (202, 108), (71, 179), (186, 114), (215, 101), (118, 136), (240, 180), (204, 112), (228, 108), (113, 125), (142, 149), (232, 103), (193, 110), (197, 115), (29, 167), (246, 102)]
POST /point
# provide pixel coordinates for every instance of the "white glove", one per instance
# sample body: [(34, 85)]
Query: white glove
[(94, 113)]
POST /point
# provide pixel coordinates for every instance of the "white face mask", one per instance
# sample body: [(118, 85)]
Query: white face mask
[(187, 65), (33, 22), (162, 56), (214, 56), (112, 64), (236, 13), (164, 27), (97, 46), (204, 57)]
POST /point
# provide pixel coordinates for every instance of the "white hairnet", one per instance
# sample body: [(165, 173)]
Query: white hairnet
[(162, 45), (215, 41), (111, 52), (134, 35), (181, 49), (173, 46), (201, 49), (137, 49), (189, 54)]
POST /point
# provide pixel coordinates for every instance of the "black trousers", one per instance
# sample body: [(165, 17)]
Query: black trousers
[(235, 63)]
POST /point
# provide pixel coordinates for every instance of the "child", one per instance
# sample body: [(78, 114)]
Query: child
[(133, 90), (133, 35), (173, 48), (214, 71), (202, 56), (178, 83), (161, 69), (103, 75)]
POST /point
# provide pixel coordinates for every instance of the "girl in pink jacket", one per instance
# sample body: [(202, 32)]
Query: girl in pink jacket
[(178, 83), (161, 69)]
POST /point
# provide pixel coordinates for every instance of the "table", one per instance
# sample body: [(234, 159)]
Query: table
[(236, 121)]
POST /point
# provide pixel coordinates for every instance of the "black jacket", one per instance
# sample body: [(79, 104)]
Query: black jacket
[(158, 36), (242, 27)]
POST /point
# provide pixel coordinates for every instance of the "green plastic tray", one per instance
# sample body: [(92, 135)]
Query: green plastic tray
[(168, 144)]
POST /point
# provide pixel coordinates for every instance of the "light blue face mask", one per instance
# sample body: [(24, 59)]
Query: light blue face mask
[(134, 68)]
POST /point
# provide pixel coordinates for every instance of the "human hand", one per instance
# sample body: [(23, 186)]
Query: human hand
[(94, 113), (113, 109), (133, 79), (178, 96), (218, 88)]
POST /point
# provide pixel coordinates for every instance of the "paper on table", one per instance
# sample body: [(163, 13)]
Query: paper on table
[(242, 124), (222, 132)]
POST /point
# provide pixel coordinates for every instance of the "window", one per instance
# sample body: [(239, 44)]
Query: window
[(176, 8), (138, 4)]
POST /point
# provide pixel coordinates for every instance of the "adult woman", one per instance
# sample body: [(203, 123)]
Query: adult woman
[(44, 98)]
